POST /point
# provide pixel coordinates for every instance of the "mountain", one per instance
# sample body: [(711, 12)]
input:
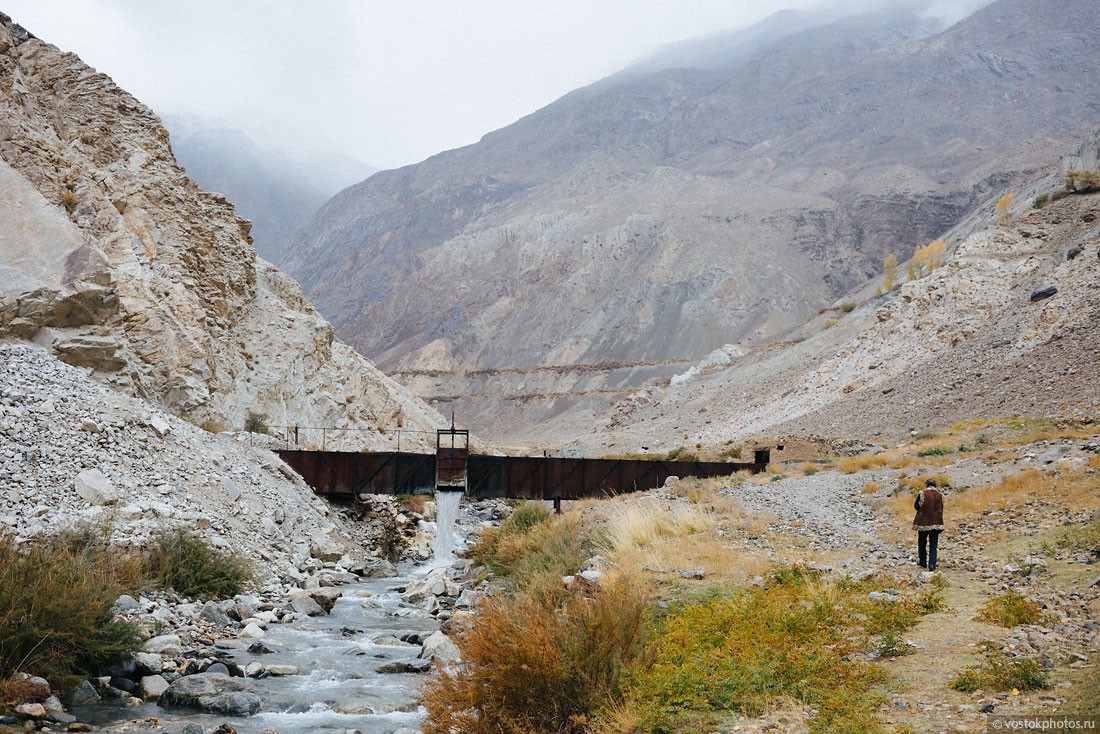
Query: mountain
[(664, 212), (118, 263), (1008, 326), (278, 193)]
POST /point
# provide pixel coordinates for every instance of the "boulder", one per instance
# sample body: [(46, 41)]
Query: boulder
[(96, 352), (213, 612), (325, 597), (324, 548), (84, 694), (251, 631), (440, 648), (302, 603), (151, 687), (1043, 293), (377, 569), (32, 711), (95, 488), (401, 666), (213, 693), (164, 645), (282, 670), (147, 663)]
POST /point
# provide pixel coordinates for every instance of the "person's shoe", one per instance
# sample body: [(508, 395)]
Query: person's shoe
[(921, 565), (931, 568)]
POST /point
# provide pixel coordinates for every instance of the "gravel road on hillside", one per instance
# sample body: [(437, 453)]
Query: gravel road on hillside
[(827, 507)]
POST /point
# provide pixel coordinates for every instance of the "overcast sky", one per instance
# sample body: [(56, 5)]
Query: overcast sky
[(389, 82)]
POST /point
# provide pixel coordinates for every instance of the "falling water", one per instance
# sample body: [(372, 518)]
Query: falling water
[(446, 512)]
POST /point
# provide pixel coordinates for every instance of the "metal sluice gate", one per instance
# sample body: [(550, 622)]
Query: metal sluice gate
[(454, 468)]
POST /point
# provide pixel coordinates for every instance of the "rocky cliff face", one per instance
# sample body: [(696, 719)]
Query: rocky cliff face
[(660, 214), (116, 261)]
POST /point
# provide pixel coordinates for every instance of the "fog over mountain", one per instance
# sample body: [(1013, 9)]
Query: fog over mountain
[(278, 191), (659, 214)]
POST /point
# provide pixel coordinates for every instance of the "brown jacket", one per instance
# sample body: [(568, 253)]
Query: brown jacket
[(929, 507)]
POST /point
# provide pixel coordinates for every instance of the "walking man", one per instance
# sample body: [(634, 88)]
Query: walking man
[(928, 523)]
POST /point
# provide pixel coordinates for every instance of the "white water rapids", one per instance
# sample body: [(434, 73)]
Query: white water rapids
[(446, 513)]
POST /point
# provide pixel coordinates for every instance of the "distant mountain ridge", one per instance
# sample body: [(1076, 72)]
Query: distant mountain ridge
[(658, 216)]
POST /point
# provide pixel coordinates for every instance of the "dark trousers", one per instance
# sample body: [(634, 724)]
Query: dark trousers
[(927, 540)]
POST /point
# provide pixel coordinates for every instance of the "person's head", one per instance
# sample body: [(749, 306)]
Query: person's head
[(930, 482)]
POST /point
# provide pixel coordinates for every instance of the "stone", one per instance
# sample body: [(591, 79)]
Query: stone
[(302, 603), (151, 687), (254, 669), (147, 663), (96, 352), (278, 670), (212, 693), (251, 631), (160, 426), (440, 648), (126, 603), (84, 694), (213, 612), (260, 648), (218, 668), (378, 569), (324, 548), (32, 711), (1043, 293), (95, 488), (164, 645), (697, 574), (401, 666), (325, 597)]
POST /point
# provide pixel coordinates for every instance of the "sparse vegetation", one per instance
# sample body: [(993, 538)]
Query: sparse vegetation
[(56, 617), (926, 259), (1080, 182), (255, 422), (185, 562), (69, 201), (548, 659), (1003, 208), (1040, 201), (830, 323), (1010, 610), (847, 306), (999, 672), (889, 272), (524, 548)]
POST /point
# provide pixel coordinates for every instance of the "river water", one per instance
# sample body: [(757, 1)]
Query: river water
[(337, 688)]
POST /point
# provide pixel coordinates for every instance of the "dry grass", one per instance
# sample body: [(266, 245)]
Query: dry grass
[(639, 524), (1075, 491), (544, 660), (852, 464), (870, 488)]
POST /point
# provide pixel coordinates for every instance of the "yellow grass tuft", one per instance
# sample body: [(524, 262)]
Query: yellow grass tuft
[(870, 488), (852, 464), (639, 524)]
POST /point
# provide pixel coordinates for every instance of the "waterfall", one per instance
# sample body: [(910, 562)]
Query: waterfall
[(446, 512)]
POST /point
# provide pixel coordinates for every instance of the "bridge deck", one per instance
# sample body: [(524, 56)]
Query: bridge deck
[(517, 477)]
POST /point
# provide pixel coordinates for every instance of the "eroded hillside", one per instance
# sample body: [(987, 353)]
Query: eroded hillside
[(116, 261)]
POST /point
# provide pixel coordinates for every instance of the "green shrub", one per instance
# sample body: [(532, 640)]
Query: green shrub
[(181, 560), (936, 451), (1010, 610), (522, 552), (255, 422), (1040, 201), (893, 646), (1083, 538), (743, 650), (999, 672), (848, 306), (56, 617)]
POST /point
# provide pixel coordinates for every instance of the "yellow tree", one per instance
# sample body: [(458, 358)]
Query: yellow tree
[(889, 272), (1004, 208)]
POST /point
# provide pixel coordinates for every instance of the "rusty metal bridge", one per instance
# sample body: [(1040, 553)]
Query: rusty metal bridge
[(454, 468)]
